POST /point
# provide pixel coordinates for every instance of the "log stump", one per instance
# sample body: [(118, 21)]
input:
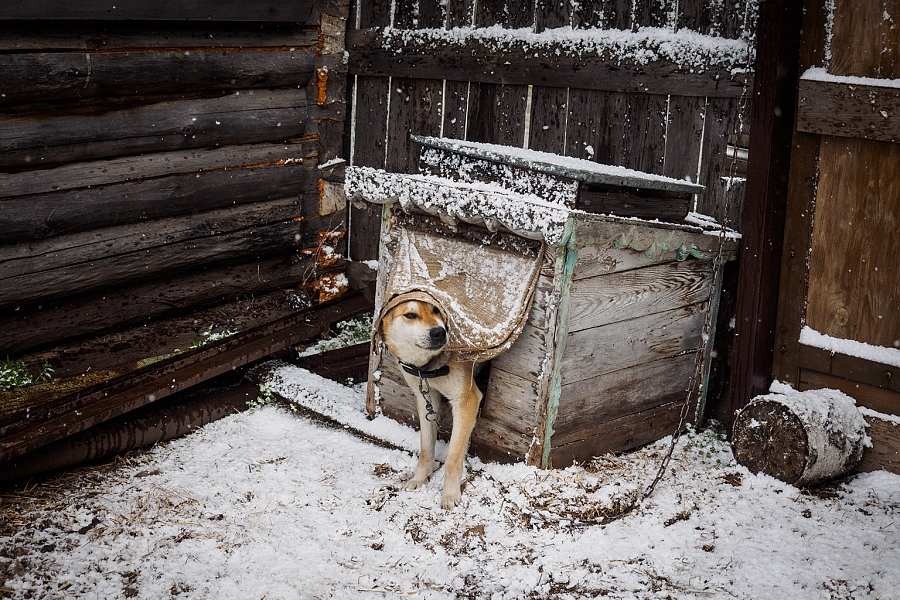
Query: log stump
[(801, 438)]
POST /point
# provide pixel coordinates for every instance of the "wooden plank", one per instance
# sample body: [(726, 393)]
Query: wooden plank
[(772, 115), (880, 399), (721, 120), (71, 211), (415, 110), (460, 13), (624, 344), (496, 114), (864, 43), (620, 435), (45, 36), (456, 108), (550, 15), (585, 114), (607, 299), (684, 137), (850, 367), (551, 66), (548, 119), (511, 401), (850, 110), (173, 10), (590, 404), (493, 441), (853, 271), (266, 116), (72, 412), (633, 202), (44, 323), (799, 212), (104, 259), (527, 355), (35, 77), (370, 131), (133, 168), (885, 450)]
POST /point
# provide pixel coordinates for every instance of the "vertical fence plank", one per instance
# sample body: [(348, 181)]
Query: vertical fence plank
[(583, 122), (548, 119), (647, 132), (370, 124), (415, 109), (684, 136)]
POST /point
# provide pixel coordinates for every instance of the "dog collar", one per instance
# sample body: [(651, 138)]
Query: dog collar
[(423, 372)]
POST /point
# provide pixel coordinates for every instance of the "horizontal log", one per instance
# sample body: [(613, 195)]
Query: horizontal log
[(137, 168), (248, 117), (849, 110), (30, 77), (480, 59), (190, 191), (171, 258), (114, 256), (46, 36), (172, 10), (511, 401), (55, 417), (46, 323)]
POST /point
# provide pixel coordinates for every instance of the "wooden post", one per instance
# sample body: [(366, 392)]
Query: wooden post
[(772, 115)]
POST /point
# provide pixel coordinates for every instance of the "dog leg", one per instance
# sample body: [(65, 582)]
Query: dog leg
[(427, 438), (465, 412)]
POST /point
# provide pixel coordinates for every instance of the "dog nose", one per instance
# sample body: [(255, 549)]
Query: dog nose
[(438, 336)]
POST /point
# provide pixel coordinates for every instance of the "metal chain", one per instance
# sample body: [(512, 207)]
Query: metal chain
[(717, 268), (424, 389)]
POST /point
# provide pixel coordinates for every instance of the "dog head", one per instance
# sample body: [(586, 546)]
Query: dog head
[(414, 331)]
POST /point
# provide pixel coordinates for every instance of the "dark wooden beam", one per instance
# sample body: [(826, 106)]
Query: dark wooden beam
[(171, 10), (850, 110), (556, 66), (772, 115)]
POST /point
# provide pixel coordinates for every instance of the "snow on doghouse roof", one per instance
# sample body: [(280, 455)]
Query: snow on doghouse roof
[(483, 203), (564, 166)]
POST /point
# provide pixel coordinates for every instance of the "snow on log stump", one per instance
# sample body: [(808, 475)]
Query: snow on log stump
[(801, 438)]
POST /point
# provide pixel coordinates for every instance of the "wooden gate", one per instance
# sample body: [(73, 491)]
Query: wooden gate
[(839, 305)]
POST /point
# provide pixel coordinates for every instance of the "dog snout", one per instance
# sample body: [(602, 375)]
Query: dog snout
[(437, 336)]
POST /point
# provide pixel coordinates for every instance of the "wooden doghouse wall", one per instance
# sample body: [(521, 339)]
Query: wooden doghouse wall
[(159, 159), (653, 116)]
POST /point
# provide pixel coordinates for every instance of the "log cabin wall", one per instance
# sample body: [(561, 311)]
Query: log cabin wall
[(840, 273), (172, 168), (449, 69)]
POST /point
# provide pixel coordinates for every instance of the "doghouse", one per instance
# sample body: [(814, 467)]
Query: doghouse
[(622, 281)]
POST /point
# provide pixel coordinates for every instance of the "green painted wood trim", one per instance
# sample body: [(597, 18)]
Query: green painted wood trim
[(566, 256)]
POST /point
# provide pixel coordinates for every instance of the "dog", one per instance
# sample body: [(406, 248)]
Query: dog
[(416, 333)]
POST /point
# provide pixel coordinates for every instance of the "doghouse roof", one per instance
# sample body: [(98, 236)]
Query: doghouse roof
[(579, 169)]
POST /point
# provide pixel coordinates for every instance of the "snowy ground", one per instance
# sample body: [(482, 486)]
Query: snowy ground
[(271, 504)]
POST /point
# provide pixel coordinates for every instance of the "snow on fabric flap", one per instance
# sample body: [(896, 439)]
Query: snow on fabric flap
[(484, 292)]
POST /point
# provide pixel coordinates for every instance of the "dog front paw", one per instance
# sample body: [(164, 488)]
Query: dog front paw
[(451, 498), (415, 483)]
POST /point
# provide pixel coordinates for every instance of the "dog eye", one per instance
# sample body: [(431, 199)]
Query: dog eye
[(411, 316)]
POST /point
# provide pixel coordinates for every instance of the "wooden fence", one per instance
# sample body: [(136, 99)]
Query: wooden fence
[(604, 80), (170, 195), (840, 274)]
